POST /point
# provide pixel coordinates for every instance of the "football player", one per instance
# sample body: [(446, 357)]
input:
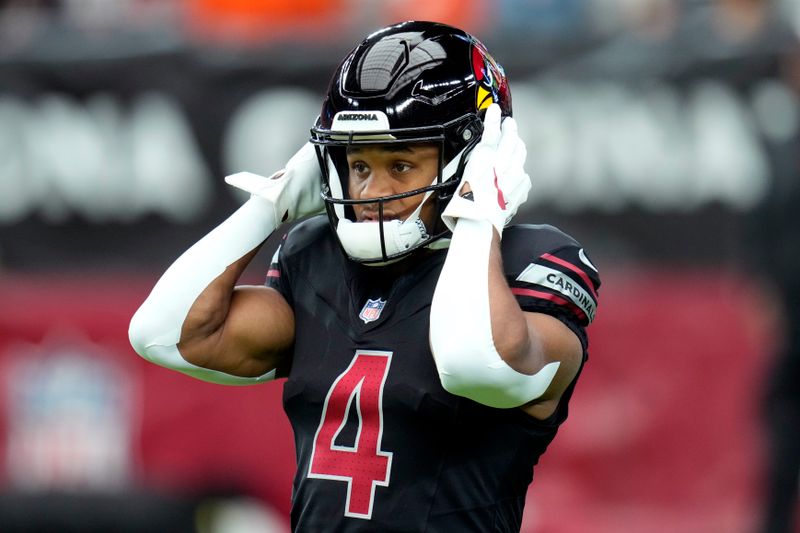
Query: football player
[(430, 349)]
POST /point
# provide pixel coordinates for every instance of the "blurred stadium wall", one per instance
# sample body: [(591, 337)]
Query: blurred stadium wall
[(659, 133)]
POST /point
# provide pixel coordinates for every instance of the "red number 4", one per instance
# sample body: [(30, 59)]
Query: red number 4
[(364, 465)]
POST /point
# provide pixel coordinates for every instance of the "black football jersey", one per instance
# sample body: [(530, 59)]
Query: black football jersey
[(380, 445)]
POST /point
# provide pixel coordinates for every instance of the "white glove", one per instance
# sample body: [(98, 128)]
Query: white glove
[(293, 192), (495, 174)]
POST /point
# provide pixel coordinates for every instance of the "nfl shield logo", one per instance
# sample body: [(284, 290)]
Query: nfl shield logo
[(372, 310)]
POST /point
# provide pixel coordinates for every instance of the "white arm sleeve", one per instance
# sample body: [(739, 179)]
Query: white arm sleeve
[(155, 328), (461, 327)]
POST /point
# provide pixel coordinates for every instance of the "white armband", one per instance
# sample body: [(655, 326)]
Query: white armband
[(461, 329), (155, 328)]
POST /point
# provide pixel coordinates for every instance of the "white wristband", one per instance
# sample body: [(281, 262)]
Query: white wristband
[(155, 328), (461, 328)]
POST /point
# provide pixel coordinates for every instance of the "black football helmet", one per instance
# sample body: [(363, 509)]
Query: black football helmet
[(413, 82)]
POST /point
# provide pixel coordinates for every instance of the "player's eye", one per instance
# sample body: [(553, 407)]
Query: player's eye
[(359, 167), (402, 167)]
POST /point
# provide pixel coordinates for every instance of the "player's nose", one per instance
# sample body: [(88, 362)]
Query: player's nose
[(377, 185)]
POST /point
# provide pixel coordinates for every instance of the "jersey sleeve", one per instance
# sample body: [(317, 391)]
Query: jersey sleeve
[(277, 273), (549, 272)]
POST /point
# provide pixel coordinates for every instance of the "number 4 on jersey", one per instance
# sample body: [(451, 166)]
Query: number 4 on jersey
[(364, 465)]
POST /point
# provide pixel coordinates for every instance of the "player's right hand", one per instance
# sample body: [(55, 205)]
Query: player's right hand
[(294, 192), (495, 175)]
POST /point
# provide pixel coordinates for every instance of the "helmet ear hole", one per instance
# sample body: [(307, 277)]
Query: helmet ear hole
[(465, 133)]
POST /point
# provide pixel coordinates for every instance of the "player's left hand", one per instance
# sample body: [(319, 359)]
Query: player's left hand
[(293, 192), (494, 174)]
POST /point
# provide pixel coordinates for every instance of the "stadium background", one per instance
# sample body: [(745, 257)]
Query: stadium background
[(659, 134)]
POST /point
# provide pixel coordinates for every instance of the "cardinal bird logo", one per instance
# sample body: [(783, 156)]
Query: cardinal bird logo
[(489, 76)]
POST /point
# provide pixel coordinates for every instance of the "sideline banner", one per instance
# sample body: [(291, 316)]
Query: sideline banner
[(96, 153)]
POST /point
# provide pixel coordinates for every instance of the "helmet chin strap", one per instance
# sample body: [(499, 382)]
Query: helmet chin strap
[(362, 240)]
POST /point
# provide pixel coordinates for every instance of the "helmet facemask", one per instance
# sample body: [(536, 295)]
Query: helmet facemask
[(387, 241)]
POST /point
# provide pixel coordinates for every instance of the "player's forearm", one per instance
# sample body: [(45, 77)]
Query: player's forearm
[(200, 272), (514, 342), (209, 311), (468, 311)]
